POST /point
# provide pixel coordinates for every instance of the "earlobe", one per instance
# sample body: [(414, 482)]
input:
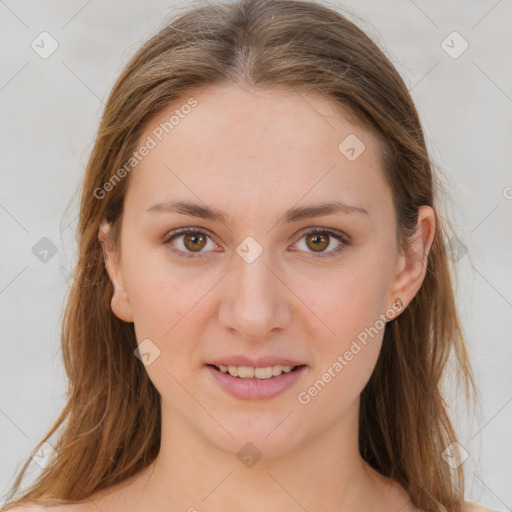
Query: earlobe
[(120, 302), (412, 266)]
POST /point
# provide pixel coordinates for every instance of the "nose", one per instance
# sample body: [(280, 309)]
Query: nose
[(255, 301)]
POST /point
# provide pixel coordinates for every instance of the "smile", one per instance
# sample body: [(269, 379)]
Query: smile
[(247, 372), (256, 383)]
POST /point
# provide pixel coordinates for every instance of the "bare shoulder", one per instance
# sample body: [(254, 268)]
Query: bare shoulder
[(28, 508), (468, 507), (116, 498), (35, 508), (475, 507), (54, 508), (75, 507)]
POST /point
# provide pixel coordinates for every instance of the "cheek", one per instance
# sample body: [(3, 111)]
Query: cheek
[(346, 353), (159, 292), (167, 306), (348, 299), (163, 306), (351, 305), (163, 300), (332, 390)]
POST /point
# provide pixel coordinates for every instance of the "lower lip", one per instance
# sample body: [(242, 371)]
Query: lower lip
[(256, 389)]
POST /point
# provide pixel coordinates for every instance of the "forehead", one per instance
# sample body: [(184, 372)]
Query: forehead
[(260, 145)]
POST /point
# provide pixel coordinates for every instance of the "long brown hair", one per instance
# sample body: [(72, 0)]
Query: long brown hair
[(109, 429)]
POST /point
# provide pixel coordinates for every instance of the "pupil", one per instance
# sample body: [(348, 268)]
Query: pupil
[(317, 239), (194, 239)]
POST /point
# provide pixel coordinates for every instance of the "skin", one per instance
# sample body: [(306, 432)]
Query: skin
[(254, 154)]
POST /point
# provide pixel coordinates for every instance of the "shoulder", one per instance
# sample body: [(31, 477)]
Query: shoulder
[(475, 507), (468, 507), (114, 498), (28, 508), (76, 507)]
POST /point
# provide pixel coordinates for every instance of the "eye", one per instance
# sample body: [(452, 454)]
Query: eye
[(319, 239), (192, 241)]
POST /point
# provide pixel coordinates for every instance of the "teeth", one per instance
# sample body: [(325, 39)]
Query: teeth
[(246, 372), (263, 373), (243, 372)]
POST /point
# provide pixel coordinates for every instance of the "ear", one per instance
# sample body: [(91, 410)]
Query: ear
[(120, 302), (412, 266)]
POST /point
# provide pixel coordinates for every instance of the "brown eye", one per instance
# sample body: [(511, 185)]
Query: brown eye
[(323, 242), (189, 243), (194, 241), (317, 241)]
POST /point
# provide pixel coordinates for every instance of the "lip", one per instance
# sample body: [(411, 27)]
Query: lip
[(258, 362), (256, 389)]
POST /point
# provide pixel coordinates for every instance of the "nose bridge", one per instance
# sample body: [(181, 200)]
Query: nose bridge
[(253, 278), (255, 304)]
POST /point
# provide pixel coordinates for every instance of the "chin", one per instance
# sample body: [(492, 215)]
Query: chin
[(260, 432)]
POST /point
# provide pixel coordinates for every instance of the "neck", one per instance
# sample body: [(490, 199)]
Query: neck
[(325, 472)]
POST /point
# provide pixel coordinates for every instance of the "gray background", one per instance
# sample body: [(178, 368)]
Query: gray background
[(50, 111)]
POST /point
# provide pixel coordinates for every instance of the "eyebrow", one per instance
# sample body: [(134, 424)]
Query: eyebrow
[(292, 215)]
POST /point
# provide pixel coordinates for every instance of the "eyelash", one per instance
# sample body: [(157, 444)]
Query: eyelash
[(340, 237)]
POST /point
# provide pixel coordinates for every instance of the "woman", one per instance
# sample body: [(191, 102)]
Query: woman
[(262, 308)]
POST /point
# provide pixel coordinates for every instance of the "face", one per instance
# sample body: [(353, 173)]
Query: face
[(253, 281)]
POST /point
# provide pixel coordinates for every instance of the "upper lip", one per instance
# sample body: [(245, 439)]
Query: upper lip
[(258, 362)]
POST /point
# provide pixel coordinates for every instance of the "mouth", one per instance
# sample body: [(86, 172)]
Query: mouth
[(250, 383), (248, 372)]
